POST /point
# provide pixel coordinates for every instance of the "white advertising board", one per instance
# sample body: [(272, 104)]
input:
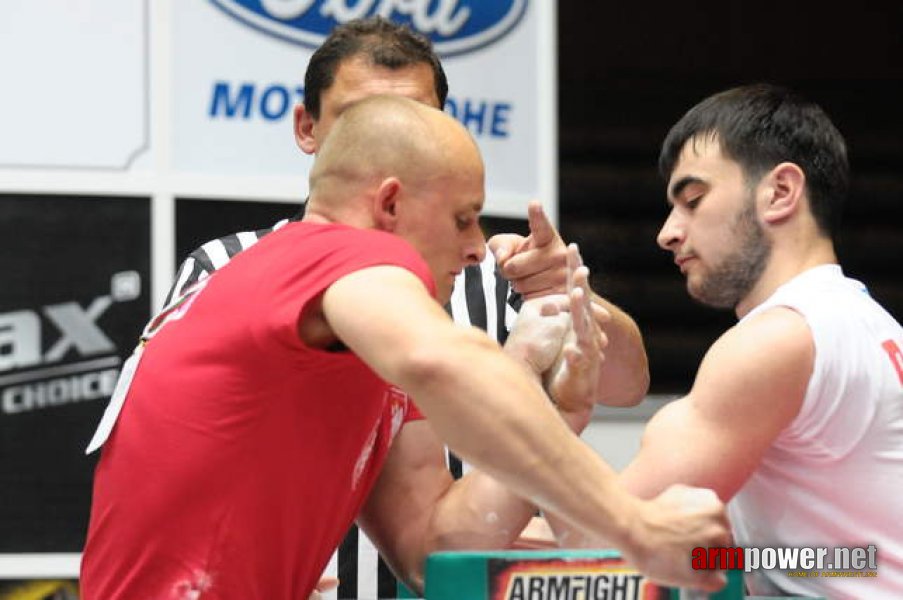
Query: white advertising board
[(238, 68), (75, 80)]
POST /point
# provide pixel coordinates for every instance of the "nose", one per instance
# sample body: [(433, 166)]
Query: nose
[(475, 249), (672, 231)]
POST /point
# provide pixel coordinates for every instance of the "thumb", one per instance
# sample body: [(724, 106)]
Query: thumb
[(504, 245), (712, 581), (327, 583)]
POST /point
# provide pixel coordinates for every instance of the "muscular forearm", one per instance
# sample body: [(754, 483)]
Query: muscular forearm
[(495, 417), (538, 458), (478, 512), (624, 377)]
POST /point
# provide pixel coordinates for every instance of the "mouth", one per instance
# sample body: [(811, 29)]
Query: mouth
[(681, 262)]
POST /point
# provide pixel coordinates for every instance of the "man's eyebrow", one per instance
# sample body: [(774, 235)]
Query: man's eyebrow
[(681, 184)]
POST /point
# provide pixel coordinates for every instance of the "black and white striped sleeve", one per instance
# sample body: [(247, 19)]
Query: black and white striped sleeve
[(212, 256), (484, 299)]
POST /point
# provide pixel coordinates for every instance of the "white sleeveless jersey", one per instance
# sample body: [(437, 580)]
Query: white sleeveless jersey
[(834, 476)]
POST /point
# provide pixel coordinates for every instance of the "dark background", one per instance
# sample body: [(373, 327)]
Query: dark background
[(629, 70), (56, 249)]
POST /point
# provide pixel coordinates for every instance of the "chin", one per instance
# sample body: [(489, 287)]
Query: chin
[(695, 291), (443, 294)]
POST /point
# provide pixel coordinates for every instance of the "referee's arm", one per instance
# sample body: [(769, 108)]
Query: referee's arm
[(537, 266)]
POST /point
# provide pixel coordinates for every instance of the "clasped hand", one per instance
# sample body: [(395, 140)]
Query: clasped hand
[(559, 338)]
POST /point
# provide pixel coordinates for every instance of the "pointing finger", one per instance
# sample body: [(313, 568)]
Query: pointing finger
[(541, 230)]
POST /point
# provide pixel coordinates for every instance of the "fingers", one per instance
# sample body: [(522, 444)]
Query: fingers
[(539, 285), (504, 245), (579, 359), (592, 315), (578, 274), (580, 304), (574, 259), (694, 498), (600, 313), (580, 295), (683, 518), (327, 583), (582, 356), (534, 270), (554, 304), (324, 585), (541, 229), (589, 340), (710, 581), (698, 500), (573, 381), (534, 265)]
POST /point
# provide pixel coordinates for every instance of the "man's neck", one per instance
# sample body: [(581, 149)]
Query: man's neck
[(782, 267)]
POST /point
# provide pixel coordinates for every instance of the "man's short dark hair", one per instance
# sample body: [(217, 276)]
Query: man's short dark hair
[(383, 42), (762, 125)]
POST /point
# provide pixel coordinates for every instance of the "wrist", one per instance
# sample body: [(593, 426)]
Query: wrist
[(629, 528), (636, 534), (577, 420), (520, 353)]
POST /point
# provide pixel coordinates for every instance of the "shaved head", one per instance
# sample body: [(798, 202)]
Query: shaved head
[(397, 165), (389, 136)]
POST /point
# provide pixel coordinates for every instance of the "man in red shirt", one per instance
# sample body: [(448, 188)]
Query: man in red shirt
[(259, 421)]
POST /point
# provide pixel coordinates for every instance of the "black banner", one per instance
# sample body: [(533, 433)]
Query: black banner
[(74, 296)]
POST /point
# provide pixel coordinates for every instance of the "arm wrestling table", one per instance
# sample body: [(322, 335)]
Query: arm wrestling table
[(552, 575)]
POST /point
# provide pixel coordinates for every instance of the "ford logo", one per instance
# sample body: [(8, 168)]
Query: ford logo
[(454, 26)]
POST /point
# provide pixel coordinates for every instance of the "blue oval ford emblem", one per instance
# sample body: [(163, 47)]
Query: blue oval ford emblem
[(454, 26)]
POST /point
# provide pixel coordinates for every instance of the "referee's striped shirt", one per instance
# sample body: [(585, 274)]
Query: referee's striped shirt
[(481, 297)]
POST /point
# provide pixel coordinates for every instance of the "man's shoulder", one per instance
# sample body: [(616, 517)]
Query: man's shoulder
[(340, 235), (341, 247), (765, 357), (767, 333)]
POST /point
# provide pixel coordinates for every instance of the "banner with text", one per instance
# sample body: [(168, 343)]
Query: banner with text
[(238, 69)]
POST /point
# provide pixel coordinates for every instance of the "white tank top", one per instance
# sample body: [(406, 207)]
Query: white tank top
[(834, 476)]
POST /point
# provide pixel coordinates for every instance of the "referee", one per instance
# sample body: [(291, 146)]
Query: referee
[(374, 56)]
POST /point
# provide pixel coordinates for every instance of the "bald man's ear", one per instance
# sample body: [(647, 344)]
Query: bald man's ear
[(304, 130), (786, 187), (386, 203)]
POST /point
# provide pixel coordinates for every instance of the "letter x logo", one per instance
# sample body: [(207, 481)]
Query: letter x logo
[(78, 328)]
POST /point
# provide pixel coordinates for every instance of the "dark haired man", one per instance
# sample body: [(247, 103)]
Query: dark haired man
[(796, 413)]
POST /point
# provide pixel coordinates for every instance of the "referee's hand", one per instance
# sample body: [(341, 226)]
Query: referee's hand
[(535, 265)]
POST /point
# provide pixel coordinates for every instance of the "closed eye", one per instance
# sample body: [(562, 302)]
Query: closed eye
[(692, 203), (463, 223)]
